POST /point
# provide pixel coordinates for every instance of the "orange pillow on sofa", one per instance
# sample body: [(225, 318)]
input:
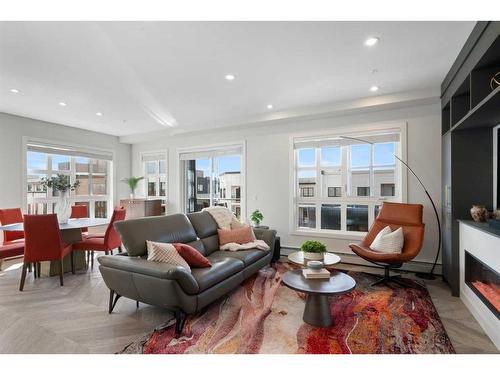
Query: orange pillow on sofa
[(192, 256), (239, 235)]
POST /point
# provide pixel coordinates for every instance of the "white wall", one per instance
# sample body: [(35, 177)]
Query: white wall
[(268, 165), (12, 130)]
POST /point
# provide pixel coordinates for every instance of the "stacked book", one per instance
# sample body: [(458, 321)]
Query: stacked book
[(316, 274)]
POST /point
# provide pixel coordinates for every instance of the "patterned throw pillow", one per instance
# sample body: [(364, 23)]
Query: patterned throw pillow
[(192, 256), (165, 253), (388, 241), (239, 235)]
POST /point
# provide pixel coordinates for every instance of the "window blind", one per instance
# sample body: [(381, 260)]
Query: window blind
[(69, 151), (325, 141), (212, 152), (154, 157)]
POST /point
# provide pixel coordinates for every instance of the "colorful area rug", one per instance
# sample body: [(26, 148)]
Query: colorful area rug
[(264, 316)]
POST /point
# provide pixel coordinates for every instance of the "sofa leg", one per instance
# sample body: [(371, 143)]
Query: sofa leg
[(137, 304), (180, 319), (112, 301)]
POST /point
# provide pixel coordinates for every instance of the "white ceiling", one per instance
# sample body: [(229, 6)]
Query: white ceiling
[(148, 76)]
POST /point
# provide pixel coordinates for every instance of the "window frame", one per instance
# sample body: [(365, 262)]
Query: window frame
[(210, 148), (158, 175), (344, 200), (90, 198)]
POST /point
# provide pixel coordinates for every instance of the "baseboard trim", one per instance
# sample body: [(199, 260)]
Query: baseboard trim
[(412, 266)]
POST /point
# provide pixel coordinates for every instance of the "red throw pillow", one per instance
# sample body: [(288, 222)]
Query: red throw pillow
[(192, 256), (239, 235)]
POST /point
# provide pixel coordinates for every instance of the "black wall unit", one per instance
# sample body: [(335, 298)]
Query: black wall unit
[(470, 109)]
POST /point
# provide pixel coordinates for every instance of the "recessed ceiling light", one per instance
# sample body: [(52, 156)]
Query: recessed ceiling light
[(270, 106), (15, 91), (370, 42), (374, 88), (98, 113), (62, 104), (229, 77)]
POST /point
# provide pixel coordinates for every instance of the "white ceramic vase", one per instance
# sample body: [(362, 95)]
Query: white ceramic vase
[(63, 207), (313, 256)]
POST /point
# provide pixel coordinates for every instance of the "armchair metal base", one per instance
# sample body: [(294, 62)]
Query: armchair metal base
[(387, 278)]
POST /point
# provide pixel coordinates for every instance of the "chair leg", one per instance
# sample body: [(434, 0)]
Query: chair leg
[(72, 263), (23, 277), (39, 269), (119, 249), (35, 270), (61, 272), (92, 259), (1, 262), (29, 266)]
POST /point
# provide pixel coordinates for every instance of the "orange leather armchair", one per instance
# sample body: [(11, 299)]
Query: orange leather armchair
[(395, 215)]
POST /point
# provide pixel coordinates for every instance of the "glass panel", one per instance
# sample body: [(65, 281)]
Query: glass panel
[(384, 182), (357, 218), (163, 167), (387, 190), (306, 157), (152, 167), (330, 156), (99, 166), (383, 153), (37, 208), (363, 191), (82, 165), (83, 188), (152, 187), (377, 210), (227, 182), (101, 208), (360, 179), (334, 192), (307, 183), (332, 182), (163, 188), (203, 180), (87, 204), (360, 155), (330, 216), (60, 163), (98, 185), (36, 160), (307, 217), (35, 187)]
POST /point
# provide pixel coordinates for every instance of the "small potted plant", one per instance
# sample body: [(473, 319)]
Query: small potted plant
[(62, 184), (256, 217), (313, 250), (132, 183)]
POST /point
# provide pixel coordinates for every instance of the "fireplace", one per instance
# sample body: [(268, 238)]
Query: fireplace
[(484, 282)]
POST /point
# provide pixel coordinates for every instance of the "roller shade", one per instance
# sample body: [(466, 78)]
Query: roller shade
[(154, 157), (318, 142), (63, 150), (212, 152)]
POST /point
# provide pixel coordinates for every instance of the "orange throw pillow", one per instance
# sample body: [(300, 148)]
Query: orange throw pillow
[(239, 235), (192, 256)]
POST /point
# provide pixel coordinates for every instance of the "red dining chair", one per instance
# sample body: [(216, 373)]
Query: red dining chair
[(11, 216), (94, 235), (80, 212), (11, 250), (110, 241), (43, 242)]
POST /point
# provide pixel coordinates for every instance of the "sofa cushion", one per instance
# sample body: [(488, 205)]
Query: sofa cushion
[(192, 256), (166, 253), (203, 223), (239, 235), (221, 269), (168, 229), (248, 257)]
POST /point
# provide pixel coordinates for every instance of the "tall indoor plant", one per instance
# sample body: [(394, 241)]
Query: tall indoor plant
[(132, 183), (62, 184)]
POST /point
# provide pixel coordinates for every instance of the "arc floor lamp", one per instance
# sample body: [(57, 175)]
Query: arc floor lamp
[(423, 275)]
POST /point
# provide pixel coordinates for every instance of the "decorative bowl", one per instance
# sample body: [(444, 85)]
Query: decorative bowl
[(315, 264)]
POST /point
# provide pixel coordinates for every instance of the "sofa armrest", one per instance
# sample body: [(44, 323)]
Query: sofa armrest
[(267, 235), (154, 269)]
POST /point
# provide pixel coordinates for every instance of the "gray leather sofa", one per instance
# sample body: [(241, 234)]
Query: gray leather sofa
[(171, 287)]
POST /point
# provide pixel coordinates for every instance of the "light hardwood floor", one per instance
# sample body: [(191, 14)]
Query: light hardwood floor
[(46, 318)]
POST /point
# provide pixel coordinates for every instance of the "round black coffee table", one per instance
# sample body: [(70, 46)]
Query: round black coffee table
[(317, 309)]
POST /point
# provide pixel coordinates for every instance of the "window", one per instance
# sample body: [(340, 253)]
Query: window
[(91, 169), (155, 175), (341, 182), (213, 177)]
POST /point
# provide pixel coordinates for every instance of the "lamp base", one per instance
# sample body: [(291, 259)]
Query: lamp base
[(425, 275)]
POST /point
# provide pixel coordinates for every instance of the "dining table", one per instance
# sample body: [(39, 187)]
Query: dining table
[(71, 232)]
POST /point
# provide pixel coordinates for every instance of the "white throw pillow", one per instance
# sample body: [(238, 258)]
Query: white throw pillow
[(165, 253), (387, 241)]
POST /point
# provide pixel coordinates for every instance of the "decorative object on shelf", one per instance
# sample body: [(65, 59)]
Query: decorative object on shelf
[(313, 250), (479, 213), (132, 183), (315, 264), (422, 275), (495, 81), (256, 217), (62, 184)]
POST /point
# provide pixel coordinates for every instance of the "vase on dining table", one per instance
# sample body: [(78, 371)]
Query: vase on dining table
[(63, 207)]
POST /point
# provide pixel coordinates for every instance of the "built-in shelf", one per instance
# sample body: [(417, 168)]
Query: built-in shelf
[(485, 114)]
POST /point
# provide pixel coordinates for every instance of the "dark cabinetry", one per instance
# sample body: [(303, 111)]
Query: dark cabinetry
[(470, 110)]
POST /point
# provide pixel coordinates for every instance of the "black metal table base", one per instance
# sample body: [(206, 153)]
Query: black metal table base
[(317, 310)]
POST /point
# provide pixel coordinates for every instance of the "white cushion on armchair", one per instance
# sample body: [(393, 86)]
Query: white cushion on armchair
[(387, 241)]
